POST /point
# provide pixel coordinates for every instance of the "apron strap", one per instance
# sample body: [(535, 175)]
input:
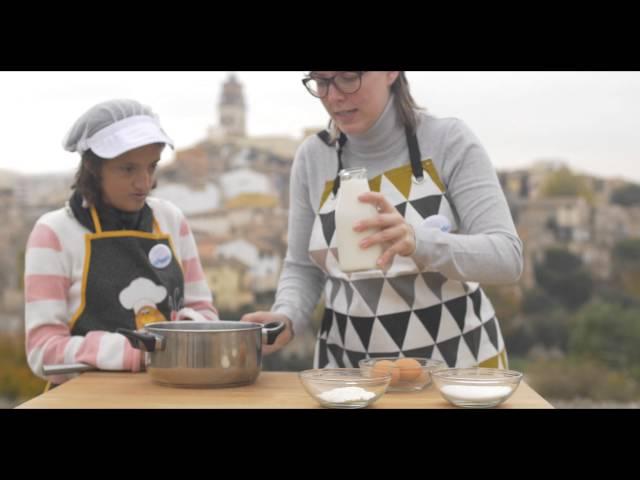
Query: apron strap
[(339, 144), (96, 220), (98, 226), (414, 156)]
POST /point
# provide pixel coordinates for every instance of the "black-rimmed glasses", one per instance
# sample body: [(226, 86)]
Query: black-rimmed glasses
[(345, 82)]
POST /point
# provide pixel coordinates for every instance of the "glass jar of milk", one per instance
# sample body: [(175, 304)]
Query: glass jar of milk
[(349, 210)]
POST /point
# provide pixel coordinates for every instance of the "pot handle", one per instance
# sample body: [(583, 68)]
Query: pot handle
[(64, 369), (143, 341), (271, 331)]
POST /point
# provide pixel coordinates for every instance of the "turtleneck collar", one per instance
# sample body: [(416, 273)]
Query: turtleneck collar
[(384, 136)]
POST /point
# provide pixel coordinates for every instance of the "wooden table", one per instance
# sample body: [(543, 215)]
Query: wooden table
[(271, 390)]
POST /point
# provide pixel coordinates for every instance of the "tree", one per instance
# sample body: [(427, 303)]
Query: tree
[(563, 277), (538, 301), (506, 304), (626, 196), (626, 266), (546, 319), (17, 382), (563, 183), (610, 292), (609, 334), (627, 250), (579, 378), (550, 328), (519, 338)]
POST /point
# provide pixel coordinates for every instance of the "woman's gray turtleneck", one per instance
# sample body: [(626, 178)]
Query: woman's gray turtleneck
[(485, 249)]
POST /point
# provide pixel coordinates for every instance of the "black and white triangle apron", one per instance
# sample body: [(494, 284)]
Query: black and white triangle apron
[(406, 310)]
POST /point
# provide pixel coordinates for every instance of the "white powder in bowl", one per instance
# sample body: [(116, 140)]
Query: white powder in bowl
[(346, 394), (478, 393)]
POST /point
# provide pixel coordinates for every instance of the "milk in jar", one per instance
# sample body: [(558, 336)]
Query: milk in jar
[(349, 210)]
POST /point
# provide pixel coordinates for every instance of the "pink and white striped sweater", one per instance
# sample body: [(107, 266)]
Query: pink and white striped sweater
[(53, 282)]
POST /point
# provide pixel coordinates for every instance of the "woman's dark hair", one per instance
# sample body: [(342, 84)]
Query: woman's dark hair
[(405, 104), (88, 181)]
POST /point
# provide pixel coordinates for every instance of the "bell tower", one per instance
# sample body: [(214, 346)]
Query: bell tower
[(232, 108)]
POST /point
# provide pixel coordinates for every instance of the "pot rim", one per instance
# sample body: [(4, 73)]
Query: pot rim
[(182, 326)]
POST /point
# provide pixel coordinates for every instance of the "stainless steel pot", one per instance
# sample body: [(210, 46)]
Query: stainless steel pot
[(200, 354)]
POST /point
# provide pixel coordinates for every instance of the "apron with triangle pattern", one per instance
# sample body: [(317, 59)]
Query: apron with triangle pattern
[(405, 311)]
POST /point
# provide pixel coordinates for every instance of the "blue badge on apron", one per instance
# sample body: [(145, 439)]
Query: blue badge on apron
[(160, 256), (440, 222)]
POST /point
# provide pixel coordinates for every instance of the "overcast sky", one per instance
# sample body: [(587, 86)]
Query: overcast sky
[(588, 119)]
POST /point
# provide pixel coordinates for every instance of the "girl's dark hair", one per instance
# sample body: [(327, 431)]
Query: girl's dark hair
[(89, 178), (88, 181)]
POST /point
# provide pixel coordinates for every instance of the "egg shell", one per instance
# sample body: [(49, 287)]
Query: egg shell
[(409, 368), (383, 367)]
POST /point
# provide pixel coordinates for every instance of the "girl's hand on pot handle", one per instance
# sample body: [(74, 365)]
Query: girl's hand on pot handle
[(268, 317)]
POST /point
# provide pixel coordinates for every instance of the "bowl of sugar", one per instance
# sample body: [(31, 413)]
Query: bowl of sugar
[(476, 387)]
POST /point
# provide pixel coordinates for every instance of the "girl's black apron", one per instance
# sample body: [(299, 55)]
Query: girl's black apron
[(130, 278)]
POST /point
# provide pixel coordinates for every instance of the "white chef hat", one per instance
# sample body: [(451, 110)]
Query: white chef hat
[(114, 127), (140, 293)]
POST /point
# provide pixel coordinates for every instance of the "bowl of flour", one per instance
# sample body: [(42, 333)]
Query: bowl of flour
[(344, 387)]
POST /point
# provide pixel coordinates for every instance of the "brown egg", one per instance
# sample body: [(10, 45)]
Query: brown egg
[(382, 367), (421, 379), (409, 368)]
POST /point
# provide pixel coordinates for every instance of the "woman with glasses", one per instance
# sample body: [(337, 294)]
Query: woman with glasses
[(443, 222)]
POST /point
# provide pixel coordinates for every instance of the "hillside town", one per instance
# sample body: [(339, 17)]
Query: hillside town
[(234, 190)]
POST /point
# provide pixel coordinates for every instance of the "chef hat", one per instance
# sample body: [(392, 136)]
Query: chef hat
[(114, 127)]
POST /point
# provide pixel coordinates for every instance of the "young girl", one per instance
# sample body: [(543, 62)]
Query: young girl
[(113, 257)]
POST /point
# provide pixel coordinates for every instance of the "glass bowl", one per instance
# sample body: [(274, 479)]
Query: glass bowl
[(408, 374), (476, 387), (343, 387)]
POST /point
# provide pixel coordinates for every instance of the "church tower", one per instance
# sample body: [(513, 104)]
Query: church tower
[(232, 108)]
